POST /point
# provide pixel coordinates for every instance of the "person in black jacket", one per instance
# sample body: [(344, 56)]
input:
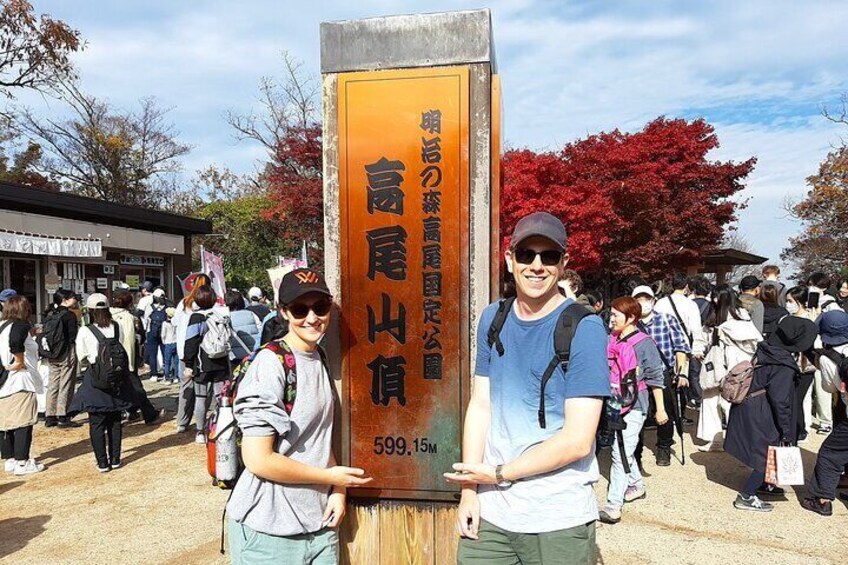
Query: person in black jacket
[(63, 369), (765, 417), (207, 373)]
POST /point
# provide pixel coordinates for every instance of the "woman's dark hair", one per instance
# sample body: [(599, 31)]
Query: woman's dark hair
[(820, 280), (205, 297), (628, 306), (122, 299), (61, 295), (726, 305), (768, 294), (200, 281), (17, 309), (800, 294), (595, 297), (234, 300), (100, 317)]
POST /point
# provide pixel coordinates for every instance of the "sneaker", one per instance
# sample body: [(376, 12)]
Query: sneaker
[(635, 493), (824, 430), (663, 456), (160, 414), (155, 378), (181, 429), (200, 438), (610, 515), (770, 490), (29, 467), (802, 438), (752, 503), (815, 505), (105, 469), (50, 421), (9, 465), (115, 465)]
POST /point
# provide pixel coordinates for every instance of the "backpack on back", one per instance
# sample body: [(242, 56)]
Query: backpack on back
[(281, 349), (216, 340), (111, 369), (838, 359), (51, 341), (736, 385), (566, 326), (158, 316)]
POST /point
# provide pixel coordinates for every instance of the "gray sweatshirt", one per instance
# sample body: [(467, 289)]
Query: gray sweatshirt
[(305, 436)]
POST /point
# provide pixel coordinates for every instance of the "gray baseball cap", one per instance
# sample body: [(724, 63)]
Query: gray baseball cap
[(540, 224)]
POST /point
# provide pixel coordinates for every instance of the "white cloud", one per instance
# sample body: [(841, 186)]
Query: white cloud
[(758, 70)]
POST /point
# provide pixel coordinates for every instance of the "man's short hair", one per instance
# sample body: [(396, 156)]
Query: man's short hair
[(700, 285), (820, 280), (573, 279), (770, 270), (679, 281)]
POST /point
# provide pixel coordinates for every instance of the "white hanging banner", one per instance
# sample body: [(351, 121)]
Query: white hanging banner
[(30, 244)]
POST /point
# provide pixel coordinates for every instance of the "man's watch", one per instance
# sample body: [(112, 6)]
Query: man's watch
[(501, 481)]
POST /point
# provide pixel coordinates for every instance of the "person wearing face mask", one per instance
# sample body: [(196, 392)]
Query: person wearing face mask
[(628, 343), (674, 349), (796, 300), (529, 451), (290, 499), (764, 417)]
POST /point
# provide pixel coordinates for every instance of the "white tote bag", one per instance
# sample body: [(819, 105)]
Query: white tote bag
[(790, 466)]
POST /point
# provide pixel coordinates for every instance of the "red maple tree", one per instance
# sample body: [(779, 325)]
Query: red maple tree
[(635, 204), (295, 187)]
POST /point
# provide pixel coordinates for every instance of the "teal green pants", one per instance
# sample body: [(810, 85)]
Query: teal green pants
[(249, 547), (496, 546)]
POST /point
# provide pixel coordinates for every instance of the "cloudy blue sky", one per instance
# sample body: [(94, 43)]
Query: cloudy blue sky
[(759, 71)]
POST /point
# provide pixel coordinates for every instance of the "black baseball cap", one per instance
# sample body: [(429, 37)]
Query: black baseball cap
[(749, 283), (540, 224), (299, 282)]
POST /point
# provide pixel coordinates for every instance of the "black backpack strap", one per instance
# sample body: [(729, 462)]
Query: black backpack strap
[(680, 319), (494, 335), (566, 327), (98, 335)]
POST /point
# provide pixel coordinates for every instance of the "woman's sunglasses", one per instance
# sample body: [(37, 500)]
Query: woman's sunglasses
[(300, 311), (550, 257)]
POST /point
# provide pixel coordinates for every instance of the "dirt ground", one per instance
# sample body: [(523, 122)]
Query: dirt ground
[(160, 508)]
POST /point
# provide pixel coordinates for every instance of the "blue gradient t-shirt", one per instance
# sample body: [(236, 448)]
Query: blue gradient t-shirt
[(563, 498)]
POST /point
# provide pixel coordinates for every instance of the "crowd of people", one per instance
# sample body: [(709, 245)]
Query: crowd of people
[(88, 358), (560, 374)]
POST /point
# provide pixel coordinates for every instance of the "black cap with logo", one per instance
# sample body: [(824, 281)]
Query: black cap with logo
[(299, 282)]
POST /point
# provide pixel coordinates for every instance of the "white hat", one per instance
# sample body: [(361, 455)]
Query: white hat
[(96, 301), (159, 293), (642, 289), (255, 292)]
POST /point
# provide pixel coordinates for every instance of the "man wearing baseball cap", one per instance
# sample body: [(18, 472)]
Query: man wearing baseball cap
[(749, 297), (833, 453), (291, 495), (674, 349), (257, 302), (529, 448)]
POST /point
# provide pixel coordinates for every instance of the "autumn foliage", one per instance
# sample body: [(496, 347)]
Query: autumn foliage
[(635, 204)]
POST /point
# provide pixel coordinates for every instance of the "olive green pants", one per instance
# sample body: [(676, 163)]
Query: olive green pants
[(496, 546)]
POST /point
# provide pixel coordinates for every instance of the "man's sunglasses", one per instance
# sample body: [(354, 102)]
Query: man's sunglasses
[(550, 257), (300, 311)]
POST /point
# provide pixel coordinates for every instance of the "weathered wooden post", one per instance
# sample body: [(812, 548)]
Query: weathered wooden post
[(410, 107)]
